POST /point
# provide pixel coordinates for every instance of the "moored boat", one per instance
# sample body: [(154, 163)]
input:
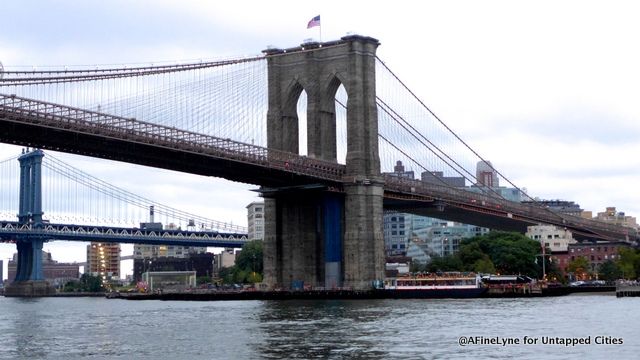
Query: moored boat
[(435, 285)]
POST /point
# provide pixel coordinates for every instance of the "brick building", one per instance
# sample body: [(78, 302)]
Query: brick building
[(596, 253)]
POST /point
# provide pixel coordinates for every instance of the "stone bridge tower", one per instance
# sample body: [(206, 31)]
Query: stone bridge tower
[(317, 237)]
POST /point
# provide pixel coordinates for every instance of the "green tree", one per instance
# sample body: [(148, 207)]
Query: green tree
[(417, 267), (609, 271), (509, 252), (445, 263), (240, 276), (87, 283), (484, 266), (226, 274), (91, 283), (627, 262), (470, 254), (579, 267), (250, 258), (203, 280), (553, 271), (254, 277)]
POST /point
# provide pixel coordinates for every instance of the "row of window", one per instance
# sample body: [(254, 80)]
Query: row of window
[(606, 249), (554, 236), (397, 246), (593, 258)]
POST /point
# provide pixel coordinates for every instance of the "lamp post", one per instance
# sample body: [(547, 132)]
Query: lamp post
[(253, 266), (544, 256)]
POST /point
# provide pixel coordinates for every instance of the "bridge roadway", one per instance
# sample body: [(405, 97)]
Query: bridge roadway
[(11, 230), (61, 128)]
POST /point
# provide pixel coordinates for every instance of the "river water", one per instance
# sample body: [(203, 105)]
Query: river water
[(98, 328)]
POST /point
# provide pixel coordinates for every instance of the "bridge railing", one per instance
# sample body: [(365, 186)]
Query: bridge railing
[(30, 111), (466, 198)]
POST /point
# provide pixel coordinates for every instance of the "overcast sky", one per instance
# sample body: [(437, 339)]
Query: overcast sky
[(546, 90)]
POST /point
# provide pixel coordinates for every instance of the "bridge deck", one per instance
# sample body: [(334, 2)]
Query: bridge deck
[(62, 128)]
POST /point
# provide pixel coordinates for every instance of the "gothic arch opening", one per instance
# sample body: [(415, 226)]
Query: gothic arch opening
[(340, 101), (294, 126), (303, 130)]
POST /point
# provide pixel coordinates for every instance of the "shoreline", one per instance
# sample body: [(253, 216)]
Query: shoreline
[(349, 294)]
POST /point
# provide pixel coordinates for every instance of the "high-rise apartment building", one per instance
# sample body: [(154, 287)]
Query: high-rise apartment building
[(255, 220), (103, 259)]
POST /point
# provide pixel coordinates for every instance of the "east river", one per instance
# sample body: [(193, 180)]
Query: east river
[(570, 327)]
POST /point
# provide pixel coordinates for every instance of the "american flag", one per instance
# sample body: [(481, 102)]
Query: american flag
[(314, 22)]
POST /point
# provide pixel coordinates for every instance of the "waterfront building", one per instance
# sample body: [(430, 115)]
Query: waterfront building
[(103, 259), (553, 238), (173, 251), (201, 263), (394, 226), (225, 259), (445, 241), (56, 273), (169, 280), (142, 251), (419, 252), (596, 253), (397, 265), (255, 220), (399, 228)]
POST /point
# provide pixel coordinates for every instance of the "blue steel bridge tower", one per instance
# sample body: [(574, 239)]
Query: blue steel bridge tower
[(29, 280)]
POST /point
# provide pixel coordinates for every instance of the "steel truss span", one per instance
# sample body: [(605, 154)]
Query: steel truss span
[(11, 231)]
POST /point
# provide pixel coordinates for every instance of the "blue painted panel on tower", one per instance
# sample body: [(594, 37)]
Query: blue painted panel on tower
[(332, 228)]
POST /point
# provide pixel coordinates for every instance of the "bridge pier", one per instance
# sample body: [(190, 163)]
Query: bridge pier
[(29, 280), (321, 238), (363, 237), (303, 239)]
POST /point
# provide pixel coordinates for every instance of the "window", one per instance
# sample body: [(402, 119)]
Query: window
[(258, 209), (401, 232), (394, 233)]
